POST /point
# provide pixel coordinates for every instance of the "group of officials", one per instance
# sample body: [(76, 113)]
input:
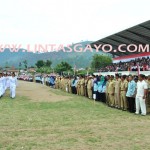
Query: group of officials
[(127, 93), (8, 81)]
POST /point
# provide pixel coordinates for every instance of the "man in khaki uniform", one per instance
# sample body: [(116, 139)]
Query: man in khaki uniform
[(107, 95), (82, 84), (89, 87), (56, 82), (85, 87), (69, 85), (59, 82), (117, 91), (66, 84), (111, 91), (123, 90), (79, 86), (62, 84)]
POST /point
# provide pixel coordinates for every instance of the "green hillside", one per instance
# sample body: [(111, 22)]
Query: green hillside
[(81, 59)]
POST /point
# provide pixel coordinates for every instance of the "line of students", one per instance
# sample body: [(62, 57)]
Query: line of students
[(8, 81)]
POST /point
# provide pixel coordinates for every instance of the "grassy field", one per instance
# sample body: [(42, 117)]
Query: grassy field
[(75, 124)]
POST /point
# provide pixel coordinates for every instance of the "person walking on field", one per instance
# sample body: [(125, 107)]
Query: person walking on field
[(13, 84)]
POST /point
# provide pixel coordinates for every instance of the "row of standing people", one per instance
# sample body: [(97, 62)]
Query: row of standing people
[(8, 81), (123, 92)]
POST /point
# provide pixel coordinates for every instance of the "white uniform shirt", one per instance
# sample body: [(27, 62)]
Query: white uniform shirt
[(13, 81), (141, 86), (1, 81)]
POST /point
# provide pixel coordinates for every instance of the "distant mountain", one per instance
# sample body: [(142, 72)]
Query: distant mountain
[(80, 59)]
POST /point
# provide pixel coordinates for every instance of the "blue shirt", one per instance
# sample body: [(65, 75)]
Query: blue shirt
[(95, 87), (131, 88), (74, 83)]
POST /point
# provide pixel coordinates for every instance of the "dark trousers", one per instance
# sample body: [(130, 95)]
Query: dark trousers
[(103, 96), (74, 90), (98, 96), (131, 104)]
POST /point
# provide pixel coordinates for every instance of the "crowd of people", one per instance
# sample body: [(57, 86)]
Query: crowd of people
[(127, 93), (143, 63), (8, 81)]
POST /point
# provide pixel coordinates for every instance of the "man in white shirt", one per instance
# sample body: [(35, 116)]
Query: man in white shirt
[(141, 95)]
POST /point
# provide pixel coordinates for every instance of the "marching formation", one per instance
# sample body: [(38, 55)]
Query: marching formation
[(127, 93), (8, 81)]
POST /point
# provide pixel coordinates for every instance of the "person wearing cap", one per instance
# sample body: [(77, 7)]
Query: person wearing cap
[(13, 84), (131, 94), (111, 91), (117, 91), (141, 95), (123, 90), (90, 87)]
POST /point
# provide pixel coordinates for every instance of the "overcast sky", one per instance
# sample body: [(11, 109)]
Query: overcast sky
[(67, 21)]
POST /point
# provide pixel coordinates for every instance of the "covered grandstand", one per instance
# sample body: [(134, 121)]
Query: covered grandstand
[(125, 60)]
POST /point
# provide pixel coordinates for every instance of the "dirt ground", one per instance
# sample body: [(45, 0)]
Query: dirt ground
[(38, 92)]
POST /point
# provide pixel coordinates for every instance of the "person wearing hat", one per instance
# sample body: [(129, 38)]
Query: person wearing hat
[(90, 87), (123, 90), (117, 91), (13, 84)]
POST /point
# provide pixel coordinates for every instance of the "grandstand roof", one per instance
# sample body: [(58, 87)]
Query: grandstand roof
[(139, 34)]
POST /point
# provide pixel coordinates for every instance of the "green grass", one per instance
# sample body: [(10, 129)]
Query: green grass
[(75, 124)]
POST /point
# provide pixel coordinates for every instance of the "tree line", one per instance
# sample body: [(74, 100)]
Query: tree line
[(45, 66)]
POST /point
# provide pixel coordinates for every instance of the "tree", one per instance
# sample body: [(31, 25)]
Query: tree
[(100, 61), (25, 64), (48, 63), (63, 66), (40, 63)]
